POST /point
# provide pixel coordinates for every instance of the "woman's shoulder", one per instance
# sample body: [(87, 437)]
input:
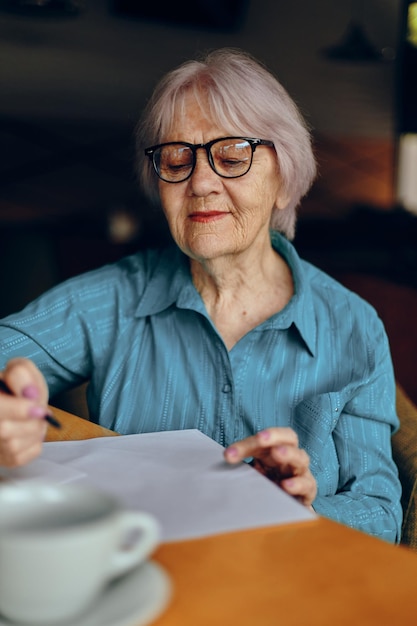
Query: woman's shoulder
[(339, 302), (325, 291), (115, 285), (315, 281), (135, 270), (325, 285)]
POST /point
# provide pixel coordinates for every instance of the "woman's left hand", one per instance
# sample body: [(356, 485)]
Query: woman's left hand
[(276, 454)]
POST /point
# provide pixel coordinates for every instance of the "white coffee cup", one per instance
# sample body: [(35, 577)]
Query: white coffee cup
[(61, 545)]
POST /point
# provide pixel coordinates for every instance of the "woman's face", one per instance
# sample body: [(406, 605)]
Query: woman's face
[(210, 216)]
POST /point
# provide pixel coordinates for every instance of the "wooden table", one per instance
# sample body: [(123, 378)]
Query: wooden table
[(315, 573)]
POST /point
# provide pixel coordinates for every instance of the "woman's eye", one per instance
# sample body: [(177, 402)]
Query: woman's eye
[(232, 162), (175, 167)]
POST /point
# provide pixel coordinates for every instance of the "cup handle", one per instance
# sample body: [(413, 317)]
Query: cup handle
[(125, 559)]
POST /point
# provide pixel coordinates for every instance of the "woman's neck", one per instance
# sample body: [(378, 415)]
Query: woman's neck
[(242, 291)]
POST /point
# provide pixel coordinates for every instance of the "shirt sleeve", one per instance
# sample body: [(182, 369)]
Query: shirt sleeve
[(48, 333), (369, 491), (65, 330)]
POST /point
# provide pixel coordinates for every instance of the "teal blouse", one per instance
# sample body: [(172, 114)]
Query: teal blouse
[(139, 331)]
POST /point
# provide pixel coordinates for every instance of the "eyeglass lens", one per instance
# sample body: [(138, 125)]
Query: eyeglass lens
[(229, 158)]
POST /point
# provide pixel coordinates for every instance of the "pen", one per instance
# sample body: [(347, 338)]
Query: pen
[(49, 418)]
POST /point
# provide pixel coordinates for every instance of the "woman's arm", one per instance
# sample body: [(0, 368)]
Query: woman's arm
[(350, 452), (368, 501)]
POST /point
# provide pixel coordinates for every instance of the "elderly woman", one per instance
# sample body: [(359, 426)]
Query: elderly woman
[(227, 331)]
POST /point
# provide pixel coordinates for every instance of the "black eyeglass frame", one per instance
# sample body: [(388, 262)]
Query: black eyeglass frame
[(253, 142)]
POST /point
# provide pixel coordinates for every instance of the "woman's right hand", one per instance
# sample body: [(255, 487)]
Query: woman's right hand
[(22, 412)]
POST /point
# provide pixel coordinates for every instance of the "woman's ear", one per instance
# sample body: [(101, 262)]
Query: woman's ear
[(282, 199)]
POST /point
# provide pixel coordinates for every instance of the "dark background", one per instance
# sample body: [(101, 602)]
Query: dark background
[(75, 75)]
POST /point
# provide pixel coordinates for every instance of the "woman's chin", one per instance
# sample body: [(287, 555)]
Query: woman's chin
[(208, 247)]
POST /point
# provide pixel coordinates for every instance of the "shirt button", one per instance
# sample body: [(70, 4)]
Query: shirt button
[(226, 388)]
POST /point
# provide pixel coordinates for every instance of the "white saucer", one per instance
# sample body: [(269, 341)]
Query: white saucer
[(134, 600)]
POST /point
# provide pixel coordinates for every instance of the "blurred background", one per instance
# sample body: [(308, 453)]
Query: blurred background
[(75, 75)]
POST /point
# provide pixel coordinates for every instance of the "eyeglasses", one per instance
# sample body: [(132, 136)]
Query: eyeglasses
[(229, 157)]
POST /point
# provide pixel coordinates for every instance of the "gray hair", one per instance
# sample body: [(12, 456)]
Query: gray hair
[(243, 97)]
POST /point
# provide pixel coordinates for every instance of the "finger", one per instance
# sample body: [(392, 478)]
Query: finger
[(17, 409), (290, 460), (304, 488), (256, 445), (21, 451), (283, 462), (20, 440), (15, 430), (25, 380), (23, 405)]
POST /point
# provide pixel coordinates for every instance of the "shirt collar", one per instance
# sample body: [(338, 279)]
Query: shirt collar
[(300, 310), (170, 283)]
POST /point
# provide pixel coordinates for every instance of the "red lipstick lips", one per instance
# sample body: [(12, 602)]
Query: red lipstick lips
[(206, 216)]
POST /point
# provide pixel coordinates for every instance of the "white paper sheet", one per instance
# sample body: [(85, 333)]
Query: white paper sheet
[(179, 476)]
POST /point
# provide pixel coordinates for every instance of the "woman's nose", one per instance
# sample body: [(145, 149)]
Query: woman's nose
[(204, 179)]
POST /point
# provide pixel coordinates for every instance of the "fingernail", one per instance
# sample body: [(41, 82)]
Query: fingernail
[(37, 412), (232, 451), (31, 392), (264, 434), (283, 450)]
